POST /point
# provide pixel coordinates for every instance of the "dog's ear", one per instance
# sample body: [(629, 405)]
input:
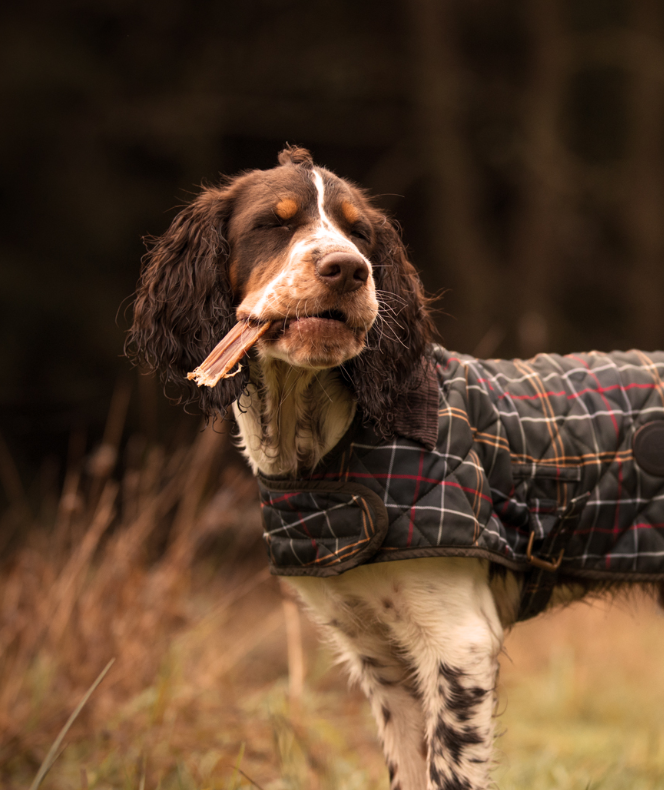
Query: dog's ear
[(183, 305), (394, 363)]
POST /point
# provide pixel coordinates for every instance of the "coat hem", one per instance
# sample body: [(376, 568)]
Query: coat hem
[(561, 577)]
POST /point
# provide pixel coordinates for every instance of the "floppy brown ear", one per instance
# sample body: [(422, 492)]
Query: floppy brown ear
[(394, 362), (184, 304)]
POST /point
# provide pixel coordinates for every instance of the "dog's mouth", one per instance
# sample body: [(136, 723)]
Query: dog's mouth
[(314, 340), (328, 315), (324, 321)]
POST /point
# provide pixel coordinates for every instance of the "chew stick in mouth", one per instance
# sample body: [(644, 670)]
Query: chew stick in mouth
[(227, 353)]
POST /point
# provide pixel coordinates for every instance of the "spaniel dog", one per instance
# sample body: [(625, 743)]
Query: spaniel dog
[(415, 515)]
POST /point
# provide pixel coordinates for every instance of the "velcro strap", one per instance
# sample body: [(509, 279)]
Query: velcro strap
[(320, 528)]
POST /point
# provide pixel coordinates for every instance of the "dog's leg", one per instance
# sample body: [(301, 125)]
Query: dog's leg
[(387, 681), (364, 645), (446, 624), (422, 637)]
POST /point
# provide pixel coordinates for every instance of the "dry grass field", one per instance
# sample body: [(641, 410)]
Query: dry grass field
[(217, 683)]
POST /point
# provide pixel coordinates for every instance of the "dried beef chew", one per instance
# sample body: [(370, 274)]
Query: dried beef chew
[(227, 353)]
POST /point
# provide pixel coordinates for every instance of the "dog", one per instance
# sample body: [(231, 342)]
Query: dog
[(421, 502)]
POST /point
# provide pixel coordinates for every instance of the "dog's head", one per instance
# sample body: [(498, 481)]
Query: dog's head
[(303, 249)]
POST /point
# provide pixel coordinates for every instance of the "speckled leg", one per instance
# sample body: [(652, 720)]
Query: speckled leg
[(447, 625), (422, 638), (396, 704), (365, 647)]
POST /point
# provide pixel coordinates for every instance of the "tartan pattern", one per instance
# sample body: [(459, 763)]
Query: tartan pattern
[(523, 446)]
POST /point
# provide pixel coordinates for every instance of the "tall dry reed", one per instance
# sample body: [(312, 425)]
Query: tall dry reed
[(117, 571)]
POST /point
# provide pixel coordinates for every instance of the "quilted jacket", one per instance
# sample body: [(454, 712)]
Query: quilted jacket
[(552, 466)]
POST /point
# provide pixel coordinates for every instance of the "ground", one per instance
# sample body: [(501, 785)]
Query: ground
[(581, 692)]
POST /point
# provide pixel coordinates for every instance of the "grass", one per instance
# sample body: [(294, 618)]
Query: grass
[(217, 684), (583, 699)]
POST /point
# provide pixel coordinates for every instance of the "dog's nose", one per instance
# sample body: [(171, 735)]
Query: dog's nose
[(342, 271)]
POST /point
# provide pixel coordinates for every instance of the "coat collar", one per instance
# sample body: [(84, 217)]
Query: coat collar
[(417, 414)]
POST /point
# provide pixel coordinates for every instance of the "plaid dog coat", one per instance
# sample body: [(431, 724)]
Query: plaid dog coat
[(552, 466)]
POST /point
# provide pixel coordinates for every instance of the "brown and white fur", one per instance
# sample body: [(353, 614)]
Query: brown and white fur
[(304, 249)]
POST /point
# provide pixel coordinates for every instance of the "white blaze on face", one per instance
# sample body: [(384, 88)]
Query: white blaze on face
[(327, 231)]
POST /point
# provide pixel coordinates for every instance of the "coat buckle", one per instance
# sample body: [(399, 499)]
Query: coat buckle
[(542, 564)]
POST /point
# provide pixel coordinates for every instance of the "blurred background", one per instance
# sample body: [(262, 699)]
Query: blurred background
[(519, 144)]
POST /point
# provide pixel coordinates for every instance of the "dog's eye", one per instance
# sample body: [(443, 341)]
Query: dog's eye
[(274, 226), (358, 233)]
